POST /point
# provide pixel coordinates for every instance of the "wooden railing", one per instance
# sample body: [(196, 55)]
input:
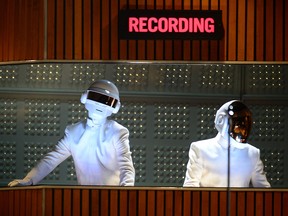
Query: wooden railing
[(104, 201)]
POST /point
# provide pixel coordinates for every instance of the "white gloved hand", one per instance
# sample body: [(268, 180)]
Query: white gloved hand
[(20, 182)]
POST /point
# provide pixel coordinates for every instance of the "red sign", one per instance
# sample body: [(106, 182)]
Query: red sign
[(159, 24)]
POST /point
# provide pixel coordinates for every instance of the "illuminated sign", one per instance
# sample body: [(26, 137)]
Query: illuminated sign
[(162, 24)]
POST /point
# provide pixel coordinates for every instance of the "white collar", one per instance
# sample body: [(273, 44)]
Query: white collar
[(233, 143), (95, 122)]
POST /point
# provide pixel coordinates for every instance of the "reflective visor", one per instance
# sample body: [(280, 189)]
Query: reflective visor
[(240, 121), (104, 99)]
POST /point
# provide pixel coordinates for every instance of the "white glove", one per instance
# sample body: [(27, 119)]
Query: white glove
[(20, 182)]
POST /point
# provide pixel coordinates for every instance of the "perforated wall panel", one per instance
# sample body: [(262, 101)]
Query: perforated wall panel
[(165, 106)]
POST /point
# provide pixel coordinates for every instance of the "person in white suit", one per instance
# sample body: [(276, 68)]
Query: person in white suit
[(227, 160), (99, 146)]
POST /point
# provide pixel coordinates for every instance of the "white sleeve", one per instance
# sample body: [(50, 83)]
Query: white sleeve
[(127, 171), (194, 168), (259, 176), (50, 161)]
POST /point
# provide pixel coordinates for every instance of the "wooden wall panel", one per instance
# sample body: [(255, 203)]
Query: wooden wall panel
[(259, 29), (96, 31), (279, 11), (249, 32), (269, 30), (240, 35), (60, 27), (51, 32), (285, 27), (118, 201), (68, 29), (255, 30), (78, 28)]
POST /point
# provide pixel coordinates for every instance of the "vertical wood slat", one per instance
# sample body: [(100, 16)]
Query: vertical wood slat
[(104, 203), (205, 203), (76, 200), (142, 203), (51, 29), (178, 200), (123, 200), (48, 202), (197, 202), (57, 202), (68, 50), (223, 42), (259, 30), (85, 204), (214, 203), (23, 30), (10, 39), (67, 197), (259, 200), (284, 203), (269, 30), (279, 38), (241, 22), (187, 203), (133, 197), (60, 40), (250, 207), (87, 29), (95, 200), (223, 205), (2, 26), (41, 31), (78, 39), (277, 197), (151, 203), (29, 45), (105, 31), (96, 31), (250, 31), (286, 31), (232, 31), (114, 30), (9, 205), (268, 203), (169, 205), (17, 202), (114, 208), (241, 209)]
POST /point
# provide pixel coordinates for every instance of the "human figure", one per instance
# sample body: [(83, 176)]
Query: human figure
[(227, 160), (99, 146)]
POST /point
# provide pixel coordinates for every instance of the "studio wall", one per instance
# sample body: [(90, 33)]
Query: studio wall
[(255, 30)]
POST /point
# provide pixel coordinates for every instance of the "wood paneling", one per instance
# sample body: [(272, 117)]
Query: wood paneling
[(104, 201), (255, 30)]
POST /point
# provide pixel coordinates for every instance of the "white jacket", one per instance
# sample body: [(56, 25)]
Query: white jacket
[(208, 159), (101, 155)]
